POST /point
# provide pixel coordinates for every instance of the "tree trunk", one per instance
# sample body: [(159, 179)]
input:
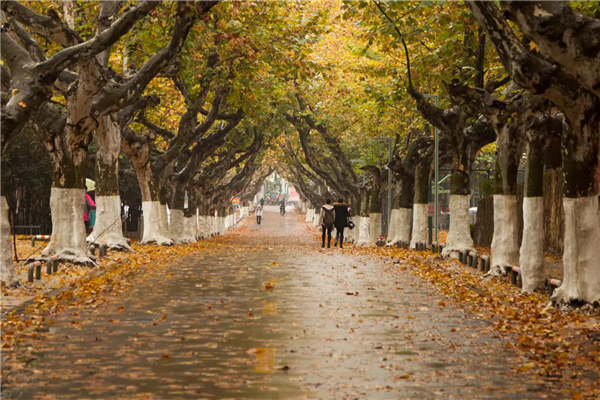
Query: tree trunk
[(191, 217), (581, 258), (375, 214), (505, 243), (67, 202), (221, 214), (402, 212), (309, 214), (459, 235), (7, 269), (108, 228), (177, 224), (163, 213), (421, 203), (363, 222), (531, 260), (152, 209), (203, 220)]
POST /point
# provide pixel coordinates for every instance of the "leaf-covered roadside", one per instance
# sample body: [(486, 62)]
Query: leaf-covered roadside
[(561, 345), (92, 290)]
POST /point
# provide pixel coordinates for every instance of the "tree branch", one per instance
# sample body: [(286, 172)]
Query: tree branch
[(84, 51), (562, 35), (50, 27)]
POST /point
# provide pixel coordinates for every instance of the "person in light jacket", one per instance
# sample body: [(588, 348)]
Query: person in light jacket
[(327, 219), (258, 213)]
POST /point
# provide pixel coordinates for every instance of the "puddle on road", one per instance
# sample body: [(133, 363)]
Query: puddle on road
[(265, 360), (437, 365), (407, 353), (269, 307)]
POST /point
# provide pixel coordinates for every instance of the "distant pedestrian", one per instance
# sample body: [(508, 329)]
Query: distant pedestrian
[(262, 202), (258, 213), (88, 207), (282, 208), (342, 214), (327, 219)]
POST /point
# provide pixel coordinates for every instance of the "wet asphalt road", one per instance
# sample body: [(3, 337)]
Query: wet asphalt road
[(334, 326)]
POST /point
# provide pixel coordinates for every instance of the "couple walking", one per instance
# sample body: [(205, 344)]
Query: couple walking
[(331, 216)]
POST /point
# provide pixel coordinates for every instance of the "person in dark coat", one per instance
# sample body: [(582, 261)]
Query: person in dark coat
[(341, 221)]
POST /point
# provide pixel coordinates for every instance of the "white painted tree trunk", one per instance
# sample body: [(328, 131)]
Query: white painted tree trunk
[(176, 227), (213, 225), (374, 227), (505, 243), (68, 229), (459, 236), (393, 228), (420, 232), (204, 226), (214, 229), (164, 219), (309, 215), (363, 232), (197, 225), (402, 221), (531, 260), (189, 230), (350, 234), (581, 257), (109, 227), (218, 225), (354, 232), (7, 269), (152, 224)]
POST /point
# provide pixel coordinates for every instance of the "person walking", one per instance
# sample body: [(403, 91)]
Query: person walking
[(88, 207), (327, 219), (262, 202), (341, 221), (258, 213)]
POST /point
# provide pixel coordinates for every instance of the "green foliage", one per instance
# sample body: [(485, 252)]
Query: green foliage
[(27, 178), (486, 187)]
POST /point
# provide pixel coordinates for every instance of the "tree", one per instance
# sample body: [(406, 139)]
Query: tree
[(580, 105), (29, 75), (542, 133), (509, 119), (108, 202)]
